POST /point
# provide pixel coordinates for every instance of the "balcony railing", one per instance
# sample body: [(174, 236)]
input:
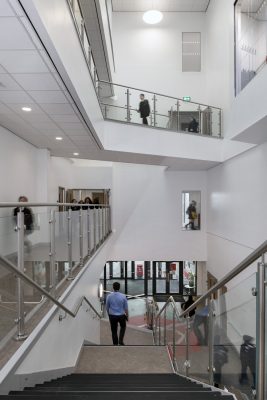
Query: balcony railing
[(47, 250), (166, 112)]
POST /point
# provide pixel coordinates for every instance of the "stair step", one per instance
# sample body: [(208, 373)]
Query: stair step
[(121, 396), (116, 389)]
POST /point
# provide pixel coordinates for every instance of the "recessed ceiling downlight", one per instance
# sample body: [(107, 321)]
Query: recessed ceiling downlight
[(75, 154), (26, 109), (152, 17), (59, 138)]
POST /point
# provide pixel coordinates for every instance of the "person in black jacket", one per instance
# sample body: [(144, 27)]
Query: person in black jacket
[(193, 125), (28, 217), (144, 108)]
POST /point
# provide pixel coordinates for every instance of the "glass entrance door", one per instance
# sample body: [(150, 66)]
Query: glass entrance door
[(167, 277)]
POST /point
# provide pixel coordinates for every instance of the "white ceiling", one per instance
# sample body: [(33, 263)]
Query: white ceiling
[(28, 78), (161, 5)]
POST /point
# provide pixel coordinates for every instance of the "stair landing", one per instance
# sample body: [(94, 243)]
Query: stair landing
[(124, 360)]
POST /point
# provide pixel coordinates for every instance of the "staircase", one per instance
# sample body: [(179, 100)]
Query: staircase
[(120, 387)]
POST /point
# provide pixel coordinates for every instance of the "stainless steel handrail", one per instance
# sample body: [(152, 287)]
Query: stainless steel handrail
[(172, 301), (158, 94), (232, 274), (34, 204), (28, 280)]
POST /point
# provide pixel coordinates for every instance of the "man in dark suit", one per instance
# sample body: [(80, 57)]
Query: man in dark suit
[(144, 108)]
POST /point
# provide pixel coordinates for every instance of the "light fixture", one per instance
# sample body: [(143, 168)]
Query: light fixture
[(152, 17), (59, 138), (75, 154), (26, 109)]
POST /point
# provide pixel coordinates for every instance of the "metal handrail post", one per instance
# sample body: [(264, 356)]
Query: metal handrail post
[(81, 236), (52, 252), (109, 219), (199, 120), (99, 226), (187, 364), (173, 341), (261, 331), (88, 231), (159, 332), (220, 123), (210, 341), (94, 227), (154, 109), (128, 117), (165, 326), (20, 286), (70, 274), (178, 114), (103, 223)]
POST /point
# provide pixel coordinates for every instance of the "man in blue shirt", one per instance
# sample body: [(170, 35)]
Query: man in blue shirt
[(117, 309)]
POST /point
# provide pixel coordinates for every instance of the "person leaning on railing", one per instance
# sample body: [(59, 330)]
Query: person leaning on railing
[(28, 220)]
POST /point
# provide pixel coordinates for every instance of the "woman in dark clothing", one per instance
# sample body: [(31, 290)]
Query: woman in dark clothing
[(87, 200), (28, 217), (74, 208)]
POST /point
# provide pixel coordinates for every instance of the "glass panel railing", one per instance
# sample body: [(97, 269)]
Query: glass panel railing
[(136, 106), (198, 343), (8, 311), (234, 339), (9, 238)]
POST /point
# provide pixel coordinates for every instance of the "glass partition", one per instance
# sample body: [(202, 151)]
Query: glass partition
[(235, 337), (250, 40), (198, 343)]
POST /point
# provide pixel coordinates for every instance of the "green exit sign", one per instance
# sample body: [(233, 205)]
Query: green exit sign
[(186, 98)]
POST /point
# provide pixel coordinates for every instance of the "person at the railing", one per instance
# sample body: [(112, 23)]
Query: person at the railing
[(28, 221), (96, 201), (187, 304), (87, 200), (74, 208), (201, 320), (144, 108), (193, 125), (117, 309), (80, 202)]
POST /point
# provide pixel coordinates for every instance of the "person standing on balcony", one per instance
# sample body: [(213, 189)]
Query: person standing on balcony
[(144, 109), (117, 309)]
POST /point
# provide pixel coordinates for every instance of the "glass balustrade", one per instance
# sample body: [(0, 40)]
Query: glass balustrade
[(47, 250), (121, 103), (235, 337)]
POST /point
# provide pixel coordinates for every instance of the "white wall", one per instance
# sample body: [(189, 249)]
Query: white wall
[(150, 57), (24, 170), (147, 214)]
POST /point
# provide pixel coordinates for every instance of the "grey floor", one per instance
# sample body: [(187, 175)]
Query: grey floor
[(124, 359)]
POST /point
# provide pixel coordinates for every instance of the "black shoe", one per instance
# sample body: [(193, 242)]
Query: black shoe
[(121, 344)]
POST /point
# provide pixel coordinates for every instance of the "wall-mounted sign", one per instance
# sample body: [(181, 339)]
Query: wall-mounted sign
[(186, 98)]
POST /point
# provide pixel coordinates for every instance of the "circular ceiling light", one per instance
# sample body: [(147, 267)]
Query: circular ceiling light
[(75, 154), (59, 138), (26, 109), (152, 17)]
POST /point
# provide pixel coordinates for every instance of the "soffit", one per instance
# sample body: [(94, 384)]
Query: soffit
[(161, 5), (28, 78)]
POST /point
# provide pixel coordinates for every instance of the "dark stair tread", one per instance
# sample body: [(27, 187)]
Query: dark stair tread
[(88, 389), (121, 396)]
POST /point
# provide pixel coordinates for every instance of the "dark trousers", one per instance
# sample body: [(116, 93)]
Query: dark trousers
[(198, 321), (114, 321), (145, 121)]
